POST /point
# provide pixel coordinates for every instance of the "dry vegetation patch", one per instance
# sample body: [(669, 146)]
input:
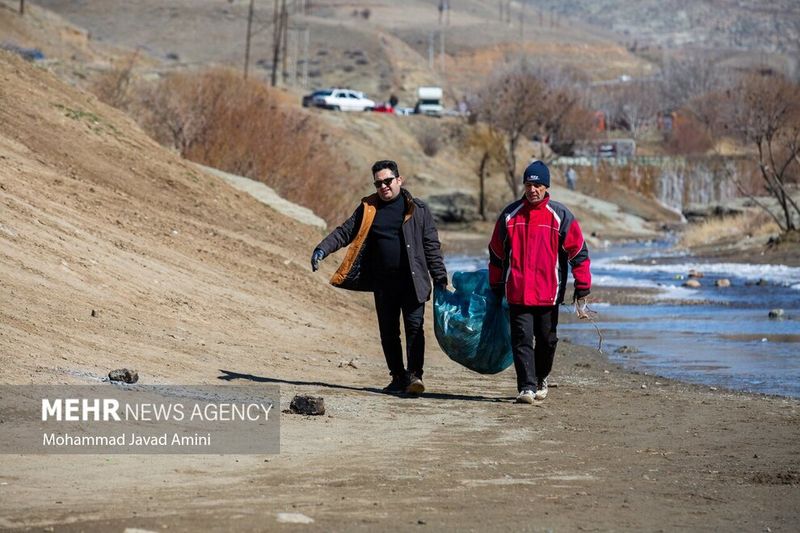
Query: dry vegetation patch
[(240, 126), (733, 228)]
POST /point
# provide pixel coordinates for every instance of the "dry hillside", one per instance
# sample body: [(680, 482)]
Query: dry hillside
[(386, 52), (97, 217)]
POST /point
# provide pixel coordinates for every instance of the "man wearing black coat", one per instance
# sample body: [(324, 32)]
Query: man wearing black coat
[(394, 251)]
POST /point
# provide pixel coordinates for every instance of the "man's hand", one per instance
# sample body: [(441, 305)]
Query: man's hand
[(580, 294), (316, 257), (579, 297), (581, 308)]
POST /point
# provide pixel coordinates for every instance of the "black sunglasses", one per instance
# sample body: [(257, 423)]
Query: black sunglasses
[(385, 181)]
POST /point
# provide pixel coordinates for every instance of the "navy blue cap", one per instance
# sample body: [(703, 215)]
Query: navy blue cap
[(537, 173)]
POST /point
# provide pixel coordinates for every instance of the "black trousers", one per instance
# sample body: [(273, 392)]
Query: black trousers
[(392, 298), (529, 324)]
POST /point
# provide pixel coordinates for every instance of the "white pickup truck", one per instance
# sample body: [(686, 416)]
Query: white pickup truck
[(429, 101)]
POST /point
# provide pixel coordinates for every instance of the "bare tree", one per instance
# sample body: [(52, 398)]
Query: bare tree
[(490, 147), (508, 104), (21, 7), (764, 111), (638, 105), (686, 78), (631, 105), (518, 103)]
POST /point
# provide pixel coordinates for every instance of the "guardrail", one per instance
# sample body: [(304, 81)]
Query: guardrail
[(642, 160)]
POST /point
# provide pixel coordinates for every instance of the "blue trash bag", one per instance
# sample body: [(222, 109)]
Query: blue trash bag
[(471, 324)]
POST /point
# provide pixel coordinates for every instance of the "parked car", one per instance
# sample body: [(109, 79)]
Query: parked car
[(308, 99), (343, 100)]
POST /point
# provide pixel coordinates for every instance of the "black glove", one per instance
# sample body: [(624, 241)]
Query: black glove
[(316, 257), (580, 294)]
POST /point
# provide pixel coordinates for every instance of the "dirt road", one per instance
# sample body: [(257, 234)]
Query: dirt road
[(605, 451)]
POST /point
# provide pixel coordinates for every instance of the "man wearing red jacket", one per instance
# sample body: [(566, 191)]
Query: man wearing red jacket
[(532, 242)]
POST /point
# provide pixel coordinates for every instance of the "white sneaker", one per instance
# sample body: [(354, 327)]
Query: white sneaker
[(541, 390), (526, 396)]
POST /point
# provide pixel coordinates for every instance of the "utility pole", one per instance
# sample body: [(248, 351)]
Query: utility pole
[(295, 67), (247, 45), (441, 49), (277, 28), (430, 50), (306, 46), (522, 23), (444, 9), (285, 24)]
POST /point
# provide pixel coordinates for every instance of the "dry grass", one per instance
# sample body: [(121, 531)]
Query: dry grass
[(114, 85), (725, 229), (221, 120), (240, 126)]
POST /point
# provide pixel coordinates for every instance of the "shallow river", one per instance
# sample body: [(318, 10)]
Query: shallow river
[(716, 336)]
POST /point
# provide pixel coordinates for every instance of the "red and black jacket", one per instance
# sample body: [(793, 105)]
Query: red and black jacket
[(530, 248)]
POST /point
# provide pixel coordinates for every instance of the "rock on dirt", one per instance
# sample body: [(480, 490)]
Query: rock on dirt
[(124, 375), (307, 405)]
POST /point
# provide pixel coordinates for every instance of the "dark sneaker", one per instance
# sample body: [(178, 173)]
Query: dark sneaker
[(415, 385), (398, 385), (541, 390), (525, 396)]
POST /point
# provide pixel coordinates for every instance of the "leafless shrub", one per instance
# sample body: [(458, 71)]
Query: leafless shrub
[(114, 85), (218, 119), (430, 140), (688, 137)]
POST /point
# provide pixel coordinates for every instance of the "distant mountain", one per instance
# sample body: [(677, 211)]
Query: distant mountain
[(749, 25)]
